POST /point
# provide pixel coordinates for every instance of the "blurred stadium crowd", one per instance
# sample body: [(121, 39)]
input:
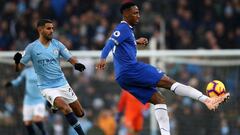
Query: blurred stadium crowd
[(85, 25)]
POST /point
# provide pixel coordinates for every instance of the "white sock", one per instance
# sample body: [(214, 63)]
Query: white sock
[(161, 114), (183, 90)]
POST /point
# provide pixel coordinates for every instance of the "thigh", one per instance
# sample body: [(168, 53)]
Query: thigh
[(77, 108), (65, 92), (144, 76), (27, 113), (157, 98), (138, 126), (39, 112), (143, 94), (134, 122), (68, 94)]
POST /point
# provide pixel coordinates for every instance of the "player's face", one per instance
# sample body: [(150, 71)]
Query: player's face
[(47, 31), (134, 15)]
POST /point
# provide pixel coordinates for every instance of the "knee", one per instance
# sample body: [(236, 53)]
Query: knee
[(80, 113), (157, 98), (37, 118), (65, 108), (27, 123), (161, 100)]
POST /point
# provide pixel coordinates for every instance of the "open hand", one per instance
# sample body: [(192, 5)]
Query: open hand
[(101, 64)]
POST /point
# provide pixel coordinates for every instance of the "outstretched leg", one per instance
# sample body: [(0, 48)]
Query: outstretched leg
[(183, 90)]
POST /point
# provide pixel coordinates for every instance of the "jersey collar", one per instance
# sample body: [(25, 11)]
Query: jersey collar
[(127, 24)]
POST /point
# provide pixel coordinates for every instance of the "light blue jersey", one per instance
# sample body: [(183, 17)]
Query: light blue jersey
[(32, 93), (46, 62)]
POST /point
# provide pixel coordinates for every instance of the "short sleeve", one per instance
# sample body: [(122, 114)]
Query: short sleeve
[(64, 52), (26, 55), (120, 34)]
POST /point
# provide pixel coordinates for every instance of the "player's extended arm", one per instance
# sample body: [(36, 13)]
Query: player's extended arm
[(77, 65), (107, 48), (18, 66), (142, 41)]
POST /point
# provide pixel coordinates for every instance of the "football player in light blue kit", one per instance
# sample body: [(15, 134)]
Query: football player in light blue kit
[(45, 54), (33, 104), (141, 79)]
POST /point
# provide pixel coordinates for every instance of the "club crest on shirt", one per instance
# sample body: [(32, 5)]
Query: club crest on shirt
[(116, 33), (55, 52)]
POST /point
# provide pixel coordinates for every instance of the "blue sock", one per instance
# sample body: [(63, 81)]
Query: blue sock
[(41, 127), (30, 130), (73, 121)]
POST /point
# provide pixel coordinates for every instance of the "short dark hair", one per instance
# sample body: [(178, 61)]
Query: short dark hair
[(126, 5), (42, 22)]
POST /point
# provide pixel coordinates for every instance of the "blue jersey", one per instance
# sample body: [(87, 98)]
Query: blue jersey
[(124, 49), (32, 93), (138, 78), (46, 62)]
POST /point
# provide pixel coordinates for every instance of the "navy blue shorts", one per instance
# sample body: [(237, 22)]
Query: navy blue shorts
[(141, 81)]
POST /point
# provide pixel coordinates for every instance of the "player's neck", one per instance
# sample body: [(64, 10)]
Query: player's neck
[(125, 21), (44, 41)]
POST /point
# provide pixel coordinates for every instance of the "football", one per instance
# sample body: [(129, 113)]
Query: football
[(215, 88)]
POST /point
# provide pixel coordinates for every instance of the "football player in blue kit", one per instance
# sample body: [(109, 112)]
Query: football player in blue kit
[(141, 79), (33, 104), (45, 54)]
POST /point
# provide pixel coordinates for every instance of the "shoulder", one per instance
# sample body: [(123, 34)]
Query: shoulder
[(57, 43), (122, 27), (31, 45)]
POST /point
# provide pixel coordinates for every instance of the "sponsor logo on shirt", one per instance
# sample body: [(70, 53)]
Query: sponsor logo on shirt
[(45, 62)]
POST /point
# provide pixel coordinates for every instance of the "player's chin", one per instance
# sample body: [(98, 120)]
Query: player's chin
[(135, 23), (49, 37)]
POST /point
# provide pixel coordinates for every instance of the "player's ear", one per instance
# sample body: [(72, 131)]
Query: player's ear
[(39, 29)]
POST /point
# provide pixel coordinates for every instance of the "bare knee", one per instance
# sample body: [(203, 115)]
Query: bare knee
[(61, 105), (27, 123), (157, 98), (77, 108), (166, 82), (38, 118)]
